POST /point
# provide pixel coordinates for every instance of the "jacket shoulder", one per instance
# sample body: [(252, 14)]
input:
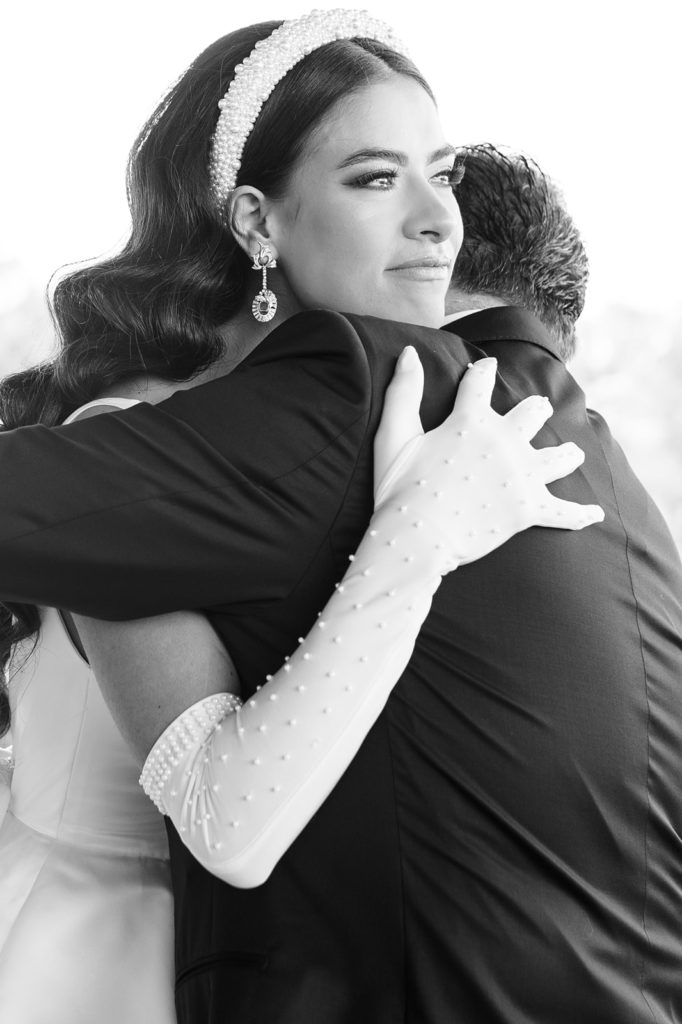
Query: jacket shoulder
[(307, 384)]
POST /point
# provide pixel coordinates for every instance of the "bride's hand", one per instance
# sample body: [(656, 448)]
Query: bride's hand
[(475, 480)]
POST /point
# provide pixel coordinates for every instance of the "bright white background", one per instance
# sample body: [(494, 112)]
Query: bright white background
[(590, 88)]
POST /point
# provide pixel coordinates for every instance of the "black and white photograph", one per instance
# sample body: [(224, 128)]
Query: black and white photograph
[(341, 514)]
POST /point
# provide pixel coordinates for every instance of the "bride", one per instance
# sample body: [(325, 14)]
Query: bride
[(340, 190)]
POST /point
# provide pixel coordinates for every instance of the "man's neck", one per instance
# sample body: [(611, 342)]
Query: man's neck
[(459, 303)]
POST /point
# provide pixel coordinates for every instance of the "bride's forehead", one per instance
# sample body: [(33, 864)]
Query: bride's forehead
[(393, 113)]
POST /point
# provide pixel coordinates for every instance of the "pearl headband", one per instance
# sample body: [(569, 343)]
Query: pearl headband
[(267, 64)]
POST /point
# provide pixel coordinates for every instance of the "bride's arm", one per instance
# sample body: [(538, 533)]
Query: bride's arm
[(151, 670), (241, 784)]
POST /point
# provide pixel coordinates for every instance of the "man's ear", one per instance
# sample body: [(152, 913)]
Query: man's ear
[(246, 217)]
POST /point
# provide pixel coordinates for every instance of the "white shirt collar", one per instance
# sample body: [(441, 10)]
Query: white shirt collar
[(451, 317)]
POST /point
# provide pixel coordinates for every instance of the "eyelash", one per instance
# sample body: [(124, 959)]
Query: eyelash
[(454, 176), (366, 179), (458, 170)]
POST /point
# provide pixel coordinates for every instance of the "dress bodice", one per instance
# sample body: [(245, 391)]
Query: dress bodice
[(75, 778), (84, 879)]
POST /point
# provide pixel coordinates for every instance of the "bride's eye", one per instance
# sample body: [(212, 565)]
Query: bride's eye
[(457, 172), (443, 177), (380, 180)]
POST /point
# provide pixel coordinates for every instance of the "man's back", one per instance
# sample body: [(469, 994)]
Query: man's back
[(544, 699), (505, 846)]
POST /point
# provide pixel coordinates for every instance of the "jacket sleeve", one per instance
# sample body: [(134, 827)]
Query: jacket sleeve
[(160, 508)]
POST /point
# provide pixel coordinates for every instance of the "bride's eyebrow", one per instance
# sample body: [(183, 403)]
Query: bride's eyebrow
[(362, 155), (392, 155), (442, 153)]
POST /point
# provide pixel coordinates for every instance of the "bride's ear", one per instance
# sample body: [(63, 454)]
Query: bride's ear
[(247, 219)]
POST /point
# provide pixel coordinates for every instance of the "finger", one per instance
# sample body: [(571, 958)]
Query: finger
[(529, 415), (568, 515), (476, 387), (555, 463), (400, 420)]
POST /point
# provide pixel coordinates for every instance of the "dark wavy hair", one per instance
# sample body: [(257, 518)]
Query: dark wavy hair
[(157, 306), (519, 241)]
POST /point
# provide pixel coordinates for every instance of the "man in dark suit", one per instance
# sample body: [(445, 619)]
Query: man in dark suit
[(506, 846), (591, 833)]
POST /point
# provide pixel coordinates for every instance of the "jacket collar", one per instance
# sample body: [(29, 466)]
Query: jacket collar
[(504, 323)]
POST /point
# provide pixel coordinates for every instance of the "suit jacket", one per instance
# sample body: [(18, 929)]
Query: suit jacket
[(505, 846)]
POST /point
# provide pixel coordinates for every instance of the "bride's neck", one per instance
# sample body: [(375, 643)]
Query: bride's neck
[(242, 333)]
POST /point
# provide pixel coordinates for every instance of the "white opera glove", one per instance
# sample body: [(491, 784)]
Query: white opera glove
[(488, 481), (240, 784)]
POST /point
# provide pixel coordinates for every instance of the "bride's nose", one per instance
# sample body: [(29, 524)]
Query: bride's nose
[(433, 212)]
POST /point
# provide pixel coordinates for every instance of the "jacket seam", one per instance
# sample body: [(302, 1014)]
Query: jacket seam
[(645, 901)]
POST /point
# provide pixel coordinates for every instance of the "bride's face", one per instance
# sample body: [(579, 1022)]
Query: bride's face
[(369, 223)]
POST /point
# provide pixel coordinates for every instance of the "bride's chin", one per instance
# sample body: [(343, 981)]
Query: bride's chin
[(416, 317), (431, 314), (435, 321), (426, 315)]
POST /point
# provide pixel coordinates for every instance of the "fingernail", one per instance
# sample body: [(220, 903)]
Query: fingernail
[(408, 358)]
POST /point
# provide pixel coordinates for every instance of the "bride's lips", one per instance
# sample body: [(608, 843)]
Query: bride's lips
[(427, 268)]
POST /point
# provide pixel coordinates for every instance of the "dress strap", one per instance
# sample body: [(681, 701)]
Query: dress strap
[(116, 403)]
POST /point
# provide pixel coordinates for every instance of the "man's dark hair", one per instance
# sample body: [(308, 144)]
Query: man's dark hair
[(520, 244)]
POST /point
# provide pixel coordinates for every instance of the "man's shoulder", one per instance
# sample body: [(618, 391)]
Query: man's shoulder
[(305, 386), (355, 354), (385, 338), (307, 354)]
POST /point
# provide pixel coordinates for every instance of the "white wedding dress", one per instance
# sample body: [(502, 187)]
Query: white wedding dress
[(86, 933)]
